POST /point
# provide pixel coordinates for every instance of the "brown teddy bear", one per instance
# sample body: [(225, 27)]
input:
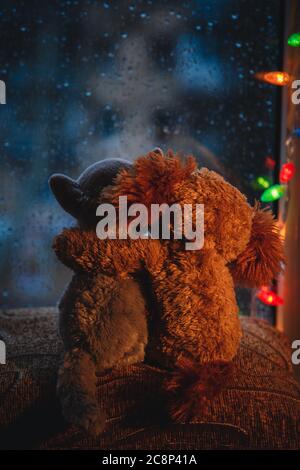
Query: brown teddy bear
[(151, 299)]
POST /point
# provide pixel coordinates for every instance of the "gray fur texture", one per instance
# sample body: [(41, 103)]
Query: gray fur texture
[(103, 320), (103, 323)]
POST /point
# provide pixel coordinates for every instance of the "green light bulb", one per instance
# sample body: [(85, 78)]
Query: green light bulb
[(294, 40), (273, 193), (261, 182)]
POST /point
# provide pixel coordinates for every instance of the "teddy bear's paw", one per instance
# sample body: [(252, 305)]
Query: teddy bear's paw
[(86, 415)]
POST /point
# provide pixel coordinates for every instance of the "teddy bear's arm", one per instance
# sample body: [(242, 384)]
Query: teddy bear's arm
[(84, 251), (76, 249)]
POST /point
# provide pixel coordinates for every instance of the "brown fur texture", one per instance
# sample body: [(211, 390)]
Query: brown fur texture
[(263, 257), (192, 327), (152, 179), (192, 384)]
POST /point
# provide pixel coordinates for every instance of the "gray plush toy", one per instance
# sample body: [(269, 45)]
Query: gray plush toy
[(102, 318)]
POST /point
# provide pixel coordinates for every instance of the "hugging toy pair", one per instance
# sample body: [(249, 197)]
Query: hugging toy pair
[(150, 299)]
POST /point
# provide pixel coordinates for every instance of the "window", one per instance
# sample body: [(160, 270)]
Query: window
[(87, 80)]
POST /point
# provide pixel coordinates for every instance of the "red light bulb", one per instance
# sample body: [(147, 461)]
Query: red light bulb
[(287, 172), (270, 163), (269, 297)]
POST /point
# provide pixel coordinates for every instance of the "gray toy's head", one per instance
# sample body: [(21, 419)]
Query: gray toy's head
[(80, 197)]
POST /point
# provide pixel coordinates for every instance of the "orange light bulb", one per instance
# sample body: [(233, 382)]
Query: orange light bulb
[(277, 78)]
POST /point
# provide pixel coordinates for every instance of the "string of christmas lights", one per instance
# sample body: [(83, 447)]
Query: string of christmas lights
[(273, 192)]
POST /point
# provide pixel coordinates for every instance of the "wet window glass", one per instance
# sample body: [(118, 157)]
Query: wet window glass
[(88, 80)]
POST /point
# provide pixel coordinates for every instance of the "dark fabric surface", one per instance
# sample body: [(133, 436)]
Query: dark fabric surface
[(259, 408)]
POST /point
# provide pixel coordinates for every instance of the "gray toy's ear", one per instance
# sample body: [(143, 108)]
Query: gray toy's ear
[(67, 192)]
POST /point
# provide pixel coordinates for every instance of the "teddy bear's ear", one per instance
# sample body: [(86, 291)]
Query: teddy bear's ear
[(263, 258), (77, 249), (152, 178)]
